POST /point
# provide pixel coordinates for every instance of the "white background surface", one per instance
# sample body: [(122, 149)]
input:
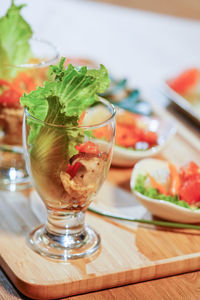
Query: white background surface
[(142, 46)]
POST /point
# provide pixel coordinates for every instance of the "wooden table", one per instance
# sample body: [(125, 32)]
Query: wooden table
[(182, 287), (185, 286), (183, 8), (144, 48)]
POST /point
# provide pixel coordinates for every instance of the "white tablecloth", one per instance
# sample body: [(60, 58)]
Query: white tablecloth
[(142, 46)]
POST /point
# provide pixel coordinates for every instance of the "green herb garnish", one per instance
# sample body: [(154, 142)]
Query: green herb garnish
[(143, 221), (154, 194), (15, 33)]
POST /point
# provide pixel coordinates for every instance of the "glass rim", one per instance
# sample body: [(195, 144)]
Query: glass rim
[(43, 63), (94, 126)]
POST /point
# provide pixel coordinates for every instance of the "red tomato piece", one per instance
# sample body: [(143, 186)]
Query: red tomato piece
[(88, 147), (24, 82), (190, 190), (185, 81), (73, 169), (4, 82), (150, 137), (127, 135), (189, 170), (9, 97), (10, 85)]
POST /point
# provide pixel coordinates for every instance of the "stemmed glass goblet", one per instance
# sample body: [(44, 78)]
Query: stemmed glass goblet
[(67, 189)]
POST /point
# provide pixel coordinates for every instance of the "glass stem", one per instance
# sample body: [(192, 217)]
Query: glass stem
[(67, 229)]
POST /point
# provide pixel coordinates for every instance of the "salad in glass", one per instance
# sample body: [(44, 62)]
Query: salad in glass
[(23, 66), (66, 160)]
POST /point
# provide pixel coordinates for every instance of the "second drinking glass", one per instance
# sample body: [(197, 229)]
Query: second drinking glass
[(22, 78)]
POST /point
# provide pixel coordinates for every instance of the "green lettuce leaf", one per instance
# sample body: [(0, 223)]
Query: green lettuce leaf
[(61, 101), (154, 194), (78, 88), (15, 33)]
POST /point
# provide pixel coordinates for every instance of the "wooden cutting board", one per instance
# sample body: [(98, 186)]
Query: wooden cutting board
[(129, 253)]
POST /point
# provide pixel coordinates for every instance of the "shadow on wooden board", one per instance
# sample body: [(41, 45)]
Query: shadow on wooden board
[(179, 8)]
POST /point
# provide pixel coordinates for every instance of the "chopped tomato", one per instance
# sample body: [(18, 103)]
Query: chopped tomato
[(185, 81), (189, 170), (125, 136), (128, 135), (150, 137), (190, 190), (130, 129), (10, 85), (4, 82), (12, 91), (73, 169), (88, 147), (9, 97), (24, 82)]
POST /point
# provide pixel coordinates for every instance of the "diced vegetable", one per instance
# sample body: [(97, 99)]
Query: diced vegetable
[(81, 117), (73, 169), (88, 147), (175, 179), (189, 170), (10, 94), (12, 91), (190, 183), (185, 81), (9, 97), (190, 190), (158, 186), (127, 135), (24, 82)]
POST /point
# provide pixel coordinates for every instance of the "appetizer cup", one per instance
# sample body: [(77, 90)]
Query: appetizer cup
[(67, 189), (165, 130), (161, 208), (17, 80)]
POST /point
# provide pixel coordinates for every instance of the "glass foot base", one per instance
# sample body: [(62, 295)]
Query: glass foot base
[(64, 247)]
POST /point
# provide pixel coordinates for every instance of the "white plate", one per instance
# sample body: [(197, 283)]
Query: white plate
[(165, 130), (161, 208)]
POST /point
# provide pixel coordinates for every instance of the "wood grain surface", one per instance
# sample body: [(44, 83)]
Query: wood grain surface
[(181, 287), (128, 253), (179, 8)]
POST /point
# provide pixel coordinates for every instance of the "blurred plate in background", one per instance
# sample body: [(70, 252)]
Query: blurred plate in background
[(184, 91)]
